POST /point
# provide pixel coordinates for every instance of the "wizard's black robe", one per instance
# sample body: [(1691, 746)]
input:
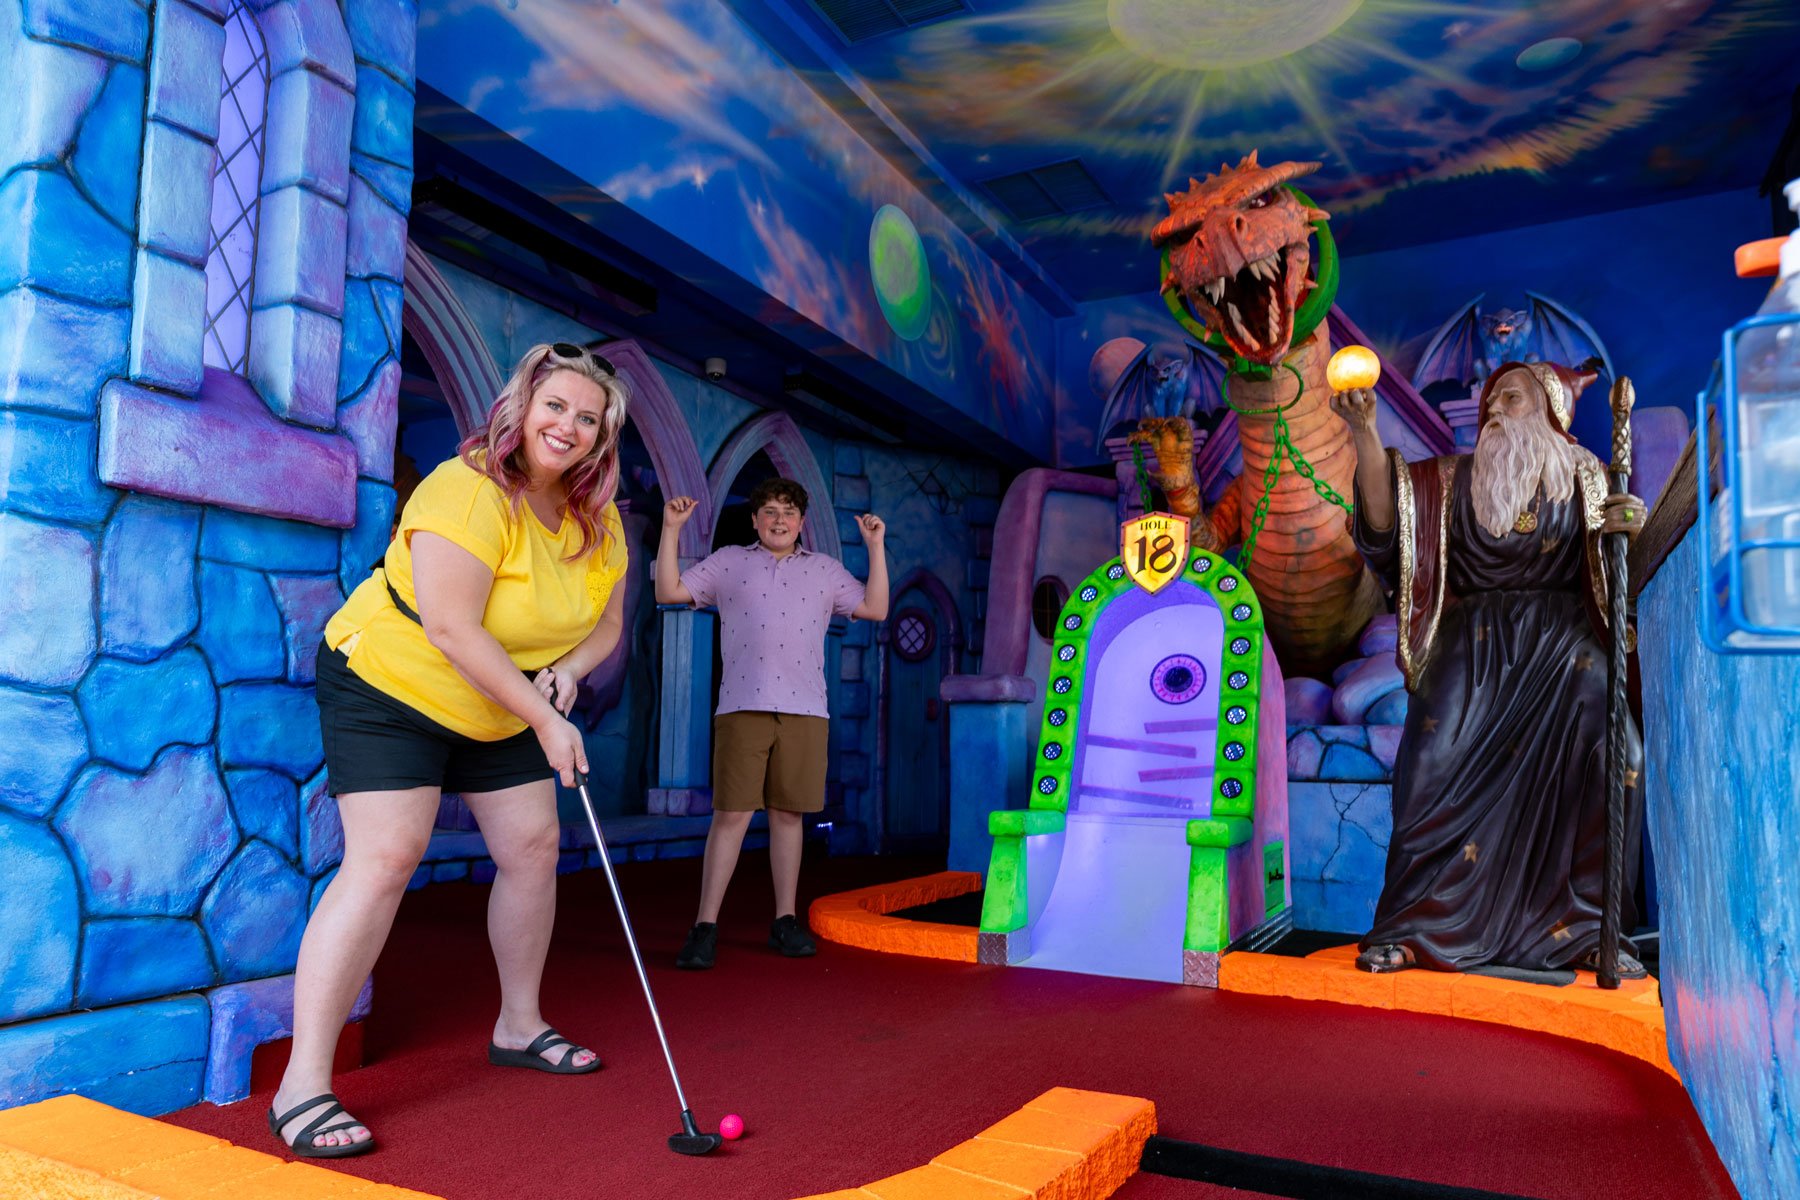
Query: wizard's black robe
[(1500, 784)]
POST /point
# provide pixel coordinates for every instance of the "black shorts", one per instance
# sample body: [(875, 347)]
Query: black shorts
[(375, 743)]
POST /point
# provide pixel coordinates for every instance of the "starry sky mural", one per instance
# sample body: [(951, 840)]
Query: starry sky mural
[(1433, 119)]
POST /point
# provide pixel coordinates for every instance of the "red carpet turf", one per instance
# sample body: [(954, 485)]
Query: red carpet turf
[(854, 1065)]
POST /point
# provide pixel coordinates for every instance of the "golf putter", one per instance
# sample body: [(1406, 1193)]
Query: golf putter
[(691, 1140)]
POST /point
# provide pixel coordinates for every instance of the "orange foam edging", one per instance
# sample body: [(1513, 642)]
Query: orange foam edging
[(859, 918), (72, 1148), (1629, 1020), (1065, 1145)]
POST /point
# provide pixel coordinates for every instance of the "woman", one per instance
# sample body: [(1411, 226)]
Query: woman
[(454, 666)]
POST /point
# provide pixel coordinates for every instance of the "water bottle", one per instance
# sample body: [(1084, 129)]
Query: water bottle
[(1768, 386)]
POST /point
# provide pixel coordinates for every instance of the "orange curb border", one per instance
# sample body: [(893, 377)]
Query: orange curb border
[(859, 918), (72, 1148), (1065, 1145), (1629, 1020)]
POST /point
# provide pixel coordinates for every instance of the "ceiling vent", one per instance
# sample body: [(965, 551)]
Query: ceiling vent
[(862, 20), (1049, 191)]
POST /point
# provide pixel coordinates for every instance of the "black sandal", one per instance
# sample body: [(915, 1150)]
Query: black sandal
[(302, 1143), (531, 1057)]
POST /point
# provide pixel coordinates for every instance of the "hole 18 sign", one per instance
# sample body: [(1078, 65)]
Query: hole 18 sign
[(1154, 549)]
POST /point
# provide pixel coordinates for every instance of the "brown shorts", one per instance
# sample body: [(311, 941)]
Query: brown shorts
[(769, 760)]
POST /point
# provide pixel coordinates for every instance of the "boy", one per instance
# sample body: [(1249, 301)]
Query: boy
[(770, 733)]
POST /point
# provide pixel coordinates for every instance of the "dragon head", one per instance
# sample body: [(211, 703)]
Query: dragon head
[(1239, 254)]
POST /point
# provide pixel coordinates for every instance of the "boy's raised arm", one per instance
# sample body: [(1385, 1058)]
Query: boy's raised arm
[(874, 606), (669, 589)]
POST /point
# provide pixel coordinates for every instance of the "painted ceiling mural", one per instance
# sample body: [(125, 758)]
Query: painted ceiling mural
[(679, 111), (1434, 119)]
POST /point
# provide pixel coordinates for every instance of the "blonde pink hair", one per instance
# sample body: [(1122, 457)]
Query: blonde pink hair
[(497, 449)]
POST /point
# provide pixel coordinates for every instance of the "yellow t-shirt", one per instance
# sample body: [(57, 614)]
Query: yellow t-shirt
[(540, 608)]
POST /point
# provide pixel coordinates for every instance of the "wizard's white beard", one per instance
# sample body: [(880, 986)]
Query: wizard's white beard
[(1513, 455)]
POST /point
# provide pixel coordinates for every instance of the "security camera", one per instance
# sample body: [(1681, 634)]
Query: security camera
[(715, 369)]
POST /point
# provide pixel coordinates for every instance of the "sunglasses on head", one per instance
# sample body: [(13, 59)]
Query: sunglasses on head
[(569, 350)]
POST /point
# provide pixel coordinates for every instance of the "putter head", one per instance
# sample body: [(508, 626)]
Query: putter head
[(690, 1140), (694, 1143)]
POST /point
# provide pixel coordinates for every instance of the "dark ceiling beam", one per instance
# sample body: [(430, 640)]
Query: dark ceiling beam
[(538, 233), (422, 385)]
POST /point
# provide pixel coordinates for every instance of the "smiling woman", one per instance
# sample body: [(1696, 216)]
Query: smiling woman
[(454, 666)]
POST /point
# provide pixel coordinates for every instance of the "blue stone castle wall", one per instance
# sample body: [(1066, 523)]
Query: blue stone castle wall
[(163, 826), (1722, 765)]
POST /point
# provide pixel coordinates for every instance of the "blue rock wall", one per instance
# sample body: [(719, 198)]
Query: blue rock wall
[(1722, 750), (158, 739), (1340, 817)]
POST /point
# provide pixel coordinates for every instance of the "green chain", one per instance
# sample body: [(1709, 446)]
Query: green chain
[(1284, 445), (1137, 459)]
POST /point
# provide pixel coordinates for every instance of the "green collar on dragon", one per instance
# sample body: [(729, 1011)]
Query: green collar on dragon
[(1236, 262)]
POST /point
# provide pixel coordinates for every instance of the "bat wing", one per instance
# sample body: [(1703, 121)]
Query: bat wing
[(1205, 382), (1454, 351), (1131, 397), (1560, 336)]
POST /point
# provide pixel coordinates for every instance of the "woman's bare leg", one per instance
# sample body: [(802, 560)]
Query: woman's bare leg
[(385, 834), (524, 839)]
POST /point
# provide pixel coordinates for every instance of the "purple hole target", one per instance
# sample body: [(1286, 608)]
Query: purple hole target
[(1178, 679)]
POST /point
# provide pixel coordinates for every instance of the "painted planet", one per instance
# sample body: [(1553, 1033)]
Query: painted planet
[(902, 276), (1353, 367), (1109, 362), (1548, 54)]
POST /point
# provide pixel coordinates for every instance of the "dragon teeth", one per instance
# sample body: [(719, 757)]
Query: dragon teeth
[(1215, 290), (1237, 323), (1274, 328)]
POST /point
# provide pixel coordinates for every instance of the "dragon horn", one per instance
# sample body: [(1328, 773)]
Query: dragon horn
[(1249, 161)]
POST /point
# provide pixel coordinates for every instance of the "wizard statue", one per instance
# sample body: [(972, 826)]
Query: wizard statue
[(1500, 784)]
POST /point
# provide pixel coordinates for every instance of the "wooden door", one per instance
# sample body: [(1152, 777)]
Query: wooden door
[(918, 794)]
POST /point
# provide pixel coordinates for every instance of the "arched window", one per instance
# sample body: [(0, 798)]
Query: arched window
[(250, 119), (236, 193)]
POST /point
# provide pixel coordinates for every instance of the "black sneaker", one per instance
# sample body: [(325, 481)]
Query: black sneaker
[(790, 937), (702, 943)]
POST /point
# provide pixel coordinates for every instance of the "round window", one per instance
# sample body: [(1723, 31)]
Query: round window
[(1047, 600), (914, 634)]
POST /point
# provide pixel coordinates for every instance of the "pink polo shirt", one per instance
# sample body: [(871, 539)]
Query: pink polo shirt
[(773, 613)]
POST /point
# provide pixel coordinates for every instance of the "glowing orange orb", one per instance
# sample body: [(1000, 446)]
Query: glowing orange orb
[(1353, 367)]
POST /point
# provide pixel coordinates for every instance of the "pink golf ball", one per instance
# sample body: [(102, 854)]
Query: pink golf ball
[(731, 1127)]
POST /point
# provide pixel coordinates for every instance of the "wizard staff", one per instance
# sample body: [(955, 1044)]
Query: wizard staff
[(1617, 710)]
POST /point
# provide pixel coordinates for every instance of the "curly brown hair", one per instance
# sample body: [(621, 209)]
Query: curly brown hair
[(778, 489)]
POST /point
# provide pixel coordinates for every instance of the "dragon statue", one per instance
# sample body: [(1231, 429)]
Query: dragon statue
[(1238, 273)]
